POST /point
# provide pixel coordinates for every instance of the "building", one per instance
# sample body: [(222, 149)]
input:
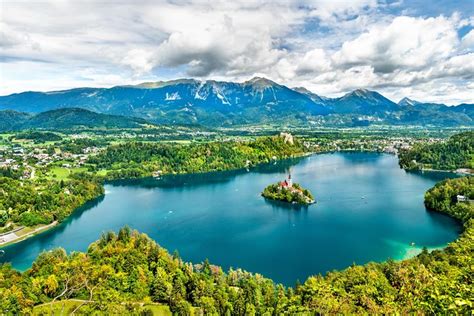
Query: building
[(288, 183)]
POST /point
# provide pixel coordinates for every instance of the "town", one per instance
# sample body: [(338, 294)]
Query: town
[(28, 157)]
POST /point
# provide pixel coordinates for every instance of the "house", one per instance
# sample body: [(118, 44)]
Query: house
[(462, 198)]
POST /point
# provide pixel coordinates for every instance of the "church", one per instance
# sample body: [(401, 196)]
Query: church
[(288, 183)]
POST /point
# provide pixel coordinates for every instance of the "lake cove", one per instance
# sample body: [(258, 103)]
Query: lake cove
[(368, 210)]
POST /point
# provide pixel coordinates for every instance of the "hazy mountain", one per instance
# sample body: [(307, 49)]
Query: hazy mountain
[(259, 100), (66, 118)]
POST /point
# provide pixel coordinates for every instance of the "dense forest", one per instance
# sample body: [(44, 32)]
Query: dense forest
[(296, 194), (139, 159), (456, 152), (29, 203), (39, 137), (443, 197), (129, 267)]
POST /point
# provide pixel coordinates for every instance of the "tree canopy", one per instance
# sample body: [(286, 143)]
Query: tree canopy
[(456, 152), (130, 267)]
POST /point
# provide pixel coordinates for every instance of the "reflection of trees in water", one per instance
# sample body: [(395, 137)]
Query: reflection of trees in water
[(74, 216), (434, 175), (281, 166), (293, 211), (280, 205), (444, 220), (203, 179)]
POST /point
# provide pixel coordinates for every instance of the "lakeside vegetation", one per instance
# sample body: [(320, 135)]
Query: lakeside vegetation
[(139, 159), (129, 267), (457, 152), (29, 203), (56, 191), (294, 194)]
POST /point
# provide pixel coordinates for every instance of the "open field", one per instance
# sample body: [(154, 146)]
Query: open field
[(62, 173)]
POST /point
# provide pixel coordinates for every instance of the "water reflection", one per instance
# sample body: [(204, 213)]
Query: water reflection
[(206, 179)]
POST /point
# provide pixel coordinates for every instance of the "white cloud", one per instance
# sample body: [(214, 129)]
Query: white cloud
[(408, 43), (329, 46), (468, 40)]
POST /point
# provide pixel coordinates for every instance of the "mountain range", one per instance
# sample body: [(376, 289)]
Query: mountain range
[(257, 101)]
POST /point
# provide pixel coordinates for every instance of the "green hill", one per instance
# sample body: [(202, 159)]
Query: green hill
[(10, 119), (456, 152), (66, 118)]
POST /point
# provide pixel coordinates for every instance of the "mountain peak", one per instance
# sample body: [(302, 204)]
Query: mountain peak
[(260, 82), (361, 92), (407, 101), (364, 94), (302, 90), (161, 84)]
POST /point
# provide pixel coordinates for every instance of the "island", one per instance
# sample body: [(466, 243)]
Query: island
[(287, 191)]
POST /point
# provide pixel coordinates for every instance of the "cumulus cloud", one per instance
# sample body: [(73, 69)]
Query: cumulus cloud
[(406, 43), (329, 46)]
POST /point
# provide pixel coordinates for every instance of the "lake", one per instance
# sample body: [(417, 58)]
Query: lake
[(367, 209)]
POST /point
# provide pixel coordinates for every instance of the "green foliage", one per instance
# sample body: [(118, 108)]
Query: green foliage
[(296, 194), (77, 146), (67, 118), (129, 267), (120, 271), (39, 137), (11, 173), (3, 217), (443, 197), (137, 159), (457, 152), (30, 203)]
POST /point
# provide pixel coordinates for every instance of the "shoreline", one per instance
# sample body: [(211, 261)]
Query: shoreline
[(459, 171), (43, 228), (12, 237)]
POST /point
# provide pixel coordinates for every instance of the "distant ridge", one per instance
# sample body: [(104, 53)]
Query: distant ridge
[(256, 101), (65, 118)]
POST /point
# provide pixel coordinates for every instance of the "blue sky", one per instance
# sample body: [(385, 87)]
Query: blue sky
[(419, 49)]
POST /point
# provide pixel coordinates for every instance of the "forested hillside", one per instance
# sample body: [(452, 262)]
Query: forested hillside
[(30, 203), (456, 152), (141, 159), (443, 197), (131, 268), (66, 118)]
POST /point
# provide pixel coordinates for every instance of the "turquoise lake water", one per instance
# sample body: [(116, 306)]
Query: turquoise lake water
[(367, 209)]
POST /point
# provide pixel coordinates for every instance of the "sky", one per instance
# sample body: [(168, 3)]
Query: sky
[(419, 49)]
